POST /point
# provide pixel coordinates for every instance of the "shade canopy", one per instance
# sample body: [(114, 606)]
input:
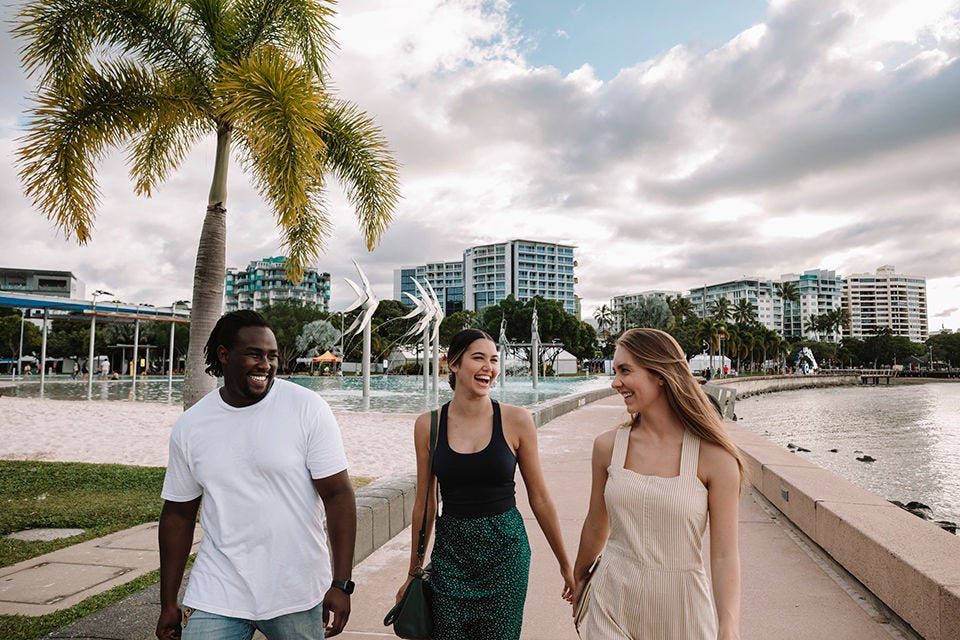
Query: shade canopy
[(327, 357)]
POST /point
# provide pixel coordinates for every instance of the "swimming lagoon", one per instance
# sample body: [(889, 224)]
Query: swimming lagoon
[(393, 394)]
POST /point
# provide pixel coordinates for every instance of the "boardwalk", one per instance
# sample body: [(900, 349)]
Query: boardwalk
[(790, 590)]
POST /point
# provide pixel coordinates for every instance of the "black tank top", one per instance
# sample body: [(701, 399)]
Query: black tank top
[(476, 485)]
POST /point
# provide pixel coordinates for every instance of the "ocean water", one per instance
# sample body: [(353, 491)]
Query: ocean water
[(399, 394), (912, 430)]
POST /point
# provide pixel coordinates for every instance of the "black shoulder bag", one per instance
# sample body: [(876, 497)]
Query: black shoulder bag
[(412, 616)]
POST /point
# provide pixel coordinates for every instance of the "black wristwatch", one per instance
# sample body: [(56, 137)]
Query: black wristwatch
[(347, 586)]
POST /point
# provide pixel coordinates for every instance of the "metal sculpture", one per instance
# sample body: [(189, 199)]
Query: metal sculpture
[(428, 308), (535, 346), (367, 301), (502, 340)]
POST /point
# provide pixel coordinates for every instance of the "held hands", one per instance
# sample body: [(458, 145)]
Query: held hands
[(569, 584), (337, 603), (577, 594)]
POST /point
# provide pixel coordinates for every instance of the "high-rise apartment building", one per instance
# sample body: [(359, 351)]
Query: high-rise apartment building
[(265, 282), (489, 273), (755, 290), (522, 268), (618, 304), (819, 291), (886, 299), (446, 278)]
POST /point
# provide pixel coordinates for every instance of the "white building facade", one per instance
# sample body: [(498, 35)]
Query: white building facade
[(618, 304), (446, 279), (757, 291), (886, 299), (820, 291)]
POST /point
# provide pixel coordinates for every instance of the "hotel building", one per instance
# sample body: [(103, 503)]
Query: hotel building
[(489, 273), (446, 278), (265, 282), (759, 292), (820, 291), (886, 299), (618, 304)]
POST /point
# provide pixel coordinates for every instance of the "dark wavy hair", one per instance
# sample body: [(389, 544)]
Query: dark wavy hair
[(225, 332), (458, 346)]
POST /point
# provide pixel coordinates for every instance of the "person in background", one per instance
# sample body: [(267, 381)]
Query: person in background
[(658, 480), (481, 556), (266, 456)]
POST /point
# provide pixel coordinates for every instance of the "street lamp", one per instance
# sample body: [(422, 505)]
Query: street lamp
[(93, 327), (23, 316)]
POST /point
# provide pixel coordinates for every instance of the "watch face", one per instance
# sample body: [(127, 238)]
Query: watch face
[(346, 586)]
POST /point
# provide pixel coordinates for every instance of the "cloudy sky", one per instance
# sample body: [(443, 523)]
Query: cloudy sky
[(675, 144)]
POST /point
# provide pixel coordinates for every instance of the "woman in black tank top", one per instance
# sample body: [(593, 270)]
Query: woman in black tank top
[(481, 556)]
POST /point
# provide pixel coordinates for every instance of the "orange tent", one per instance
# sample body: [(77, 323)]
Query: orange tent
[(327, 357)]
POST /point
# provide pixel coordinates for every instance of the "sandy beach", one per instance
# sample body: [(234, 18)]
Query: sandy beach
[(136, 433)]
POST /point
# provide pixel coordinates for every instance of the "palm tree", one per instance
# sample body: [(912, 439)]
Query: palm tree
[(709, 332), (838, 321), (787, 291), (814, 325), (157, 77), (720, 309), (743, 311), (604, 317), (682, 309)]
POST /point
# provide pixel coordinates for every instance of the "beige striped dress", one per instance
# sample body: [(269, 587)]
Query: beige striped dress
[(651, 583)]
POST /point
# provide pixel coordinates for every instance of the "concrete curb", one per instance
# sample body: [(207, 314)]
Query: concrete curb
[(911, 565)]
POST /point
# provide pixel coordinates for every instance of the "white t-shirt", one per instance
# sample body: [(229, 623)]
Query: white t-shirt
[(264, 550)]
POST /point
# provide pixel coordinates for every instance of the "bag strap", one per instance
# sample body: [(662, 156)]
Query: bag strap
[(422, 539)]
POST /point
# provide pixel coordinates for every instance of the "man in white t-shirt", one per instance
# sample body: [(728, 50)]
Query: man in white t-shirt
[(267, 459)]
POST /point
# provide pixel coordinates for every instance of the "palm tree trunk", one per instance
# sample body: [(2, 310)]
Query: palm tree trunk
[(208, 276)]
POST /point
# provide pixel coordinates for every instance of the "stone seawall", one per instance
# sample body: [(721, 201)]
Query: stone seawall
[(754, 385), (910, 564)]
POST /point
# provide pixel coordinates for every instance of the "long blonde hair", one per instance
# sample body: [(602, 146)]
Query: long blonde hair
[(659, 353)]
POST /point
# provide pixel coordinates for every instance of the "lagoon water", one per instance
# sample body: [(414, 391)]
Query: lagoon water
[(913, 431), (396, 394)]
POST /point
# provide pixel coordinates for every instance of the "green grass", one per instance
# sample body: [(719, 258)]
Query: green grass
[(99, 498)]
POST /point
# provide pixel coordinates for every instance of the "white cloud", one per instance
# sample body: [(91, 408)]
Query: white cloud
[(823, 137)]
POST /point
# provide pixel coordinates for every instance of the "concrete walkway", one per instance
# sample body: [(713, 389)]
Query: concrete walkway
[(790, 588)]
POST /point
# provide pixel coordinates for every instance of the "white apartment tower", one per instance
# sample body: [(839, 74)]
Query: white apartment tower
[(523, 268), (619, 303), (820, 291), (757, 291), (446, 279), (886, 299)]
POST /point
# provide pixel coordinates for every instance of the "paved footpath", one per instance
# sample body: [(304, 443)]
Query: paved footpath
[(790, 589)]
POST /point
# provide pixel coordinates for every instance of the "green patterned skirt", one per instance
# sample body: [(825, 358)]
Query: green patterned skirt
[(480, 568)]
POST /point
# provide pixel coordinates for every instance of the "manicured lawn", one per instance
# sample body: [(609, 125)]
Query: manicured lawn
[(100, 498)]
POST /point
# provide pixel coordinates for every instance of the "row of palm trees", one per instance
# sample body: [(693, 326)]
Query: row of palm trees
[(730, 328)]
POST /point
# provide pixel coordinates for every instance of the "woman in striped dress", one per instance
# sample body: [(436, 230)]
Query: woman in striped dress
[(481, 556), (657, 482)]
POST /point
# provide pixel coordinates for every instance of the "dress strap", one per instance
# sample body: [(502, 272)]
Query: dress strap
[(619, 457), (689, 454)]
